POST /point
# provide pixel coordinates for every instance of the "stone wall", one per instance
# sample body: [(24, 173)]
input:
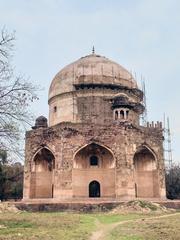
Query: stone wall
[(88, 105), (64, 141)]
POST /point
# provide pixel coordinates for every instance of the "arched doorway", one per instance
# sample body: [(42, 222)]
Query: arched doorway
[(42, 174), (145, 174), (94, 189)]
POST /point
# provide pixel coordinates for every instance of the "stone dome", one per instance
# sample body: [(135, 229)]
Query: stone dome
[(41, 121), (91, 69)]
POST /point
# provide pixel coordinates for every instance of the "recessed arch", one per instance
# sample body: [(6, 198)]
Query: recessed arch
[(93, 143), (145, 173), (148, 148), (43, 160), (93, 161), (42, 173), (43, 147), (116, 115), (122, 115), (103, 154)]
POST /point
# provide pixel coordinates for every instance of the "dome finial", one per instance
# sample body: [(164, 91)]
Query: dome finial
[(93, 50)]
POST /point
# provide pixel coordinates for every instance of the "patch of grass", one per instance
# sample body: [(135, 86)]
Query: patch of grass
[(17, 224), (148, 229), (53, 226), (112, 218), (74, 226)]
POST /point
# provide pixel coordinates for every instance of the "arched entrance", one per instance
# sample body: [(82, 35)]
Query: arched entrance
[(145, 174), (93, 161), (42, 174), (94, 189)]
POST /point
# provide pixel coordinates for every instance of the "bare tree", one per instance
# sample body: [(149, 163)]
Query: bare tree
[(16, 94)]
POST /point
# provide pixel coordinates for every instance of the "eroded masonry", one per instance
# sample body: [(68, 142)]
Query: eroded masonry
[(94, 145)]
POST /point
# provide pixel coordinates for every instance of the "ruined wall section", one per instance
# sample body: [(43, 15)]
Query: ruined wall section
[(65, 139), (131, 139)]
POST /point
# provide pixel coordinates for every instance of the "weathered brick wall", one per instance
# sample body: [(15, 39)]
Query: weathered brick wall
[(88, 105), (65, 139)]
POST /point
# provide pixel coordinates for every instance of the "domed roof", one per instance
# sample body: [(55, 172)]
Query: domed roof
[(91, 69), (41, 121)]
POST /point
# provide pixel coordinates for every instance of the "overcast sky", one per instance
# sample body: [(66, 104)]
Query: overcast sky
[(141, 35)]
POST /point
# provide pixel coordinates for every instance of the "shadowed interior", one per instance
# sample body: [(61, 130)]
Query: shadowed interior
[(42, 174), (146, 174), (93, 163)]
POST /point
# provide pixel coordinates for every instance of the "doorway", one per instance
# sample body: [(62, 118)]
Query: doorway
[(94, 189)]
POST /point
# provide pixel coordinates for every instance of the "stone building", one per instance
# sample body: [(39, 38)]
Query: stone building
[(94, 145)]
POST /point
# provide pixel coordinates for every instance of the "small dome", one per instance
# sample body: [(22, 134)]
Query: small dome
[(120, 101), (41, 121), (88, 70)]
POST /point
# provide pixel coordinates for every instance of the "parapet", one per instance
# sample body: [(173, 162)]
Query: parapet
[(153, 124)]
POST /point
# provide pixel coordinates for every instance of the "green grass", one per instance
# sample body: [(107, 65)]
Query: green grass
[(72, 226), (113, 218), (148, 229), (45, 226)]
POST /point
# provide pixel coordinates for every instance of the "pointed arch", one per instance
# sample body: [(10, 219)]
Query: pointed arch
[(42, 173), (145, 172), (82, 157), (42, 147), (43, 160), (93, 143), (145, 146), (93, 162)]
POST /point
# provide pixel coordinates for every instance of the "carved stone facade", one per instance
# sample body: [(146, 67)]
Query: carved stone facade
[(94, 145)]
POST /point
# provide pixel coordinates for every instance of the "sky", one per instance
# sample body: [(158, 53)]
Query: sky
[(141, 35)]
